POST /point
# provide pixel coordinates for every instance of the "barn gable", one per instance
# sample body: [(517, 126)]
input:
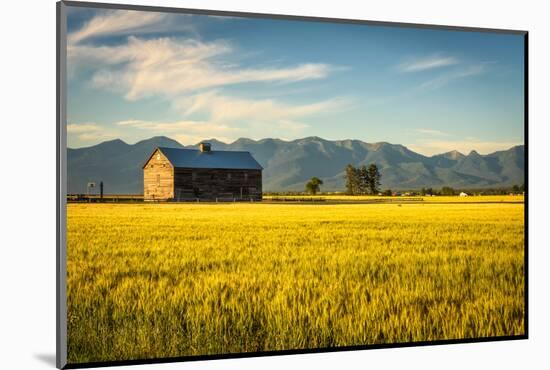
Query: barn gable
[(158, 176), (157, 155)]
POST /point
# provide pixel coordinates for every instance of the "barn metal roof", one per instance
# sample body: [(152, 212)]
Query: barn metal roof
[(219, 159)]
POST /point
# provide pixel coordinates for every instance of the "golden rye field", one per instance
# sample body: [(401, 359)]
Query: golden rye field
[(163, 280)]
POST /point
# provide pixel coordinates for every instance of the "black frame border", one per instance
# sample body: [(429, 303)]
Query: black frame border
[(61, 329)]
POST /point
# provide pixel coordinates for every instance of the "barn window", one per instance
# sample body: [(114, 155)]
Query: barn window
[(212, 177), (193, 176), (229, 176), (158, 180), (245, 176)]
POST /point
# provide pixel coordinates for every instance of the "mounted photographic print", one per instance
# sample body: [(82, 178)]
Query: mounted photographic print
[(234, 184)]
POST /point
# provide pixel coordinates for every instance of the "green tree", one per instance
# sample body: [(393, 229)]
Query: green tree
[(363, 180), (352, 180), (515, 189), (314, 185), (446, 190), (388, 192), (373, 179)]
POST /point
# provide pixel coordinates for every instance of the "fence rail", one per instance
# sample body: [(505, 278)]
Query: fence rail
[(129, 198), (296, 199), (84, 198), (111, 198)]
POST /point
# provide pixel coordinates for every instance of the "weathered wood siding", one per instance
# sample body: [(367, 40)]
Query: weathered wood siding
[(158, 178), (217, 183)]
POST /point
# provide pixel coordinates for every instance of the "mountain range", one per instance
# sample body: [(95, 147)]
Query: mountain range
[(288, 165)]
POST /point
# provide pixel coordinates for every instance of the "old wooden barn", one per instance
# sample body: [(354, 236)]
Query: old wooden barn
[(185, 174)]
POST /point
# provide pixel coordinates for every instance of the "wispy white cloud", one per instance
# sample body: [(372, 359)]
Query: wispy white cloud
[(227, 118), (442, 78), (75, 128), (457, 74), (96, 136), (432, 147), (89, 132), (193, 76), (168, 66), (267, 116), (425, 63), (116, 22), (222, 108), (171, 67), (186, 132), (198, 127)]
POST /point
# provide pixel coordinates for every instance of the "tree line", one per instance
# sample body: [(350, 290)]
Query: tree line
[(366, 180), (362, 180), (447, 190)]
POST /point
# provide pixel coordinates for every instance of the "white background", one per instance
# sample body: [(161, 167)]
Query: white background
[(27, 186)]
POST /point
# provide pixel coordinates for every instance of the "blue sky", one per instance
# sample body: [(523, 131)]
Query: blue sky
[(134, 75)]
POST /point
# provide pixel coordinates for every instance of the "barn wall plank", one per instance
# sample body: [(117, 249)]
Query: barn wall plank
[(158, 167), (217, 183)]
